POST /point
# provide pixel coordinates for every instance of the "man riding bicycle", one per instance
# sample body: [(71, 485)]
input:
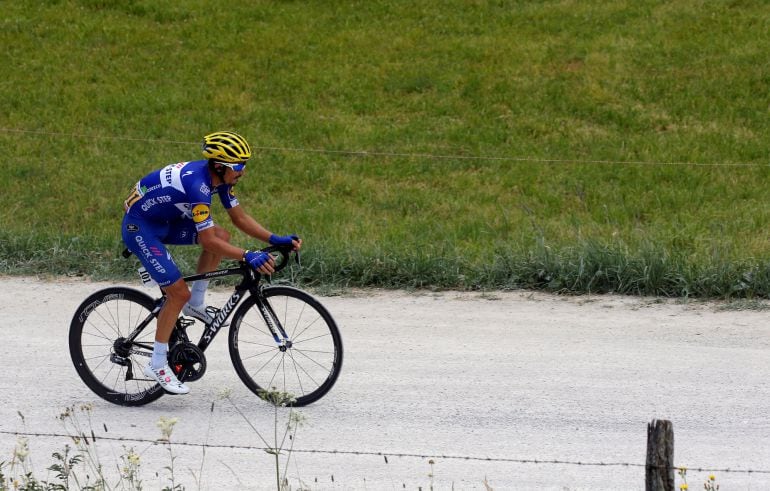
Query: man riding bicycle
[(172, 205)]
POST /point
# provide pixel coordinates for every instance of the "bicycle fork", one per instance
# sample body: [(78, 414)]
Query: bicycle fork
[(273, 323)]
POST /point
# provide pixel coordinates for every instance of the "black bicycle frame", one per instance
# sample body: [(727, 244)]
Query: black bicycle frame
[(250, 284)]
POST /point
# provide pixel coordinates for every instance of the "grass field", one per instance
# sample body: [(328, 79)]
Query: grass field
[(572, 146)]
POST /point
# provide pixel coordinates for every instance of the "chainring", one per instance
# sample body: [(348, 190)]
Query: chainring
[(187, 361)]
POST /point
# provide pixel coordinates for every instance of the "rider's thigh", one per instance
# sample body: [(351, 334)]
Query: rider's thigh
[(143, 238), (181, 232)]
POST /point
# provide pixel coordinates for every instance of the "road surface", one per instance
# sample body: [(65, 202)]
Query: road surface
[(456, 378)]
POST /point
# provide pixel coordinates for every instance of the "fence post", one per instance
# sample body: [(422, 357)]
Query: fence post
[(659, 469)]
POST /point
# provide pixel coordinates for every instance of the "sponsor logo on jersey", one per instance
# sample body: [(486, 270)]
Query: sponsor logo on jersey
[(200, 213), (132, 227), (231, 197), (133, 196), (148, 254), (185, 209), (167, 174), (150, 202), (171, 175), (205, 189), (144, 189)]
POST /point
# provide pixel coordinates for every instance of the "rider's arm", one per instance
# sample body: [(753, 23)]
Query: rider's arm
[(209, 241), (247, 224)]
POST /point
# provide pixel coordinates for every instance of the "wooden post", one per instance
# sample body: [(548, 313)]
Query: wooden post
[(659, 469)]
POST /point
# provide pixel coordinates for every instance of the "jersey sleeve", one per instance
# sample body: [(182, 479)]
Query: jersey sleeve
[(227, 196), (200, 205), (201, 216)]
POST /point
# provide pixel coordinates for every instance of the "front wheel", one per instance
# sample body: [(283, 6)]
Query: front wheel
[(306, 365), (105, 359)]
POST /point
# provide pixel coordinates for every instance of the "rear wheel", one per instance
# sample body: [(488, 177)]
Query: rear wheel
[(306, 365), (110, 365)]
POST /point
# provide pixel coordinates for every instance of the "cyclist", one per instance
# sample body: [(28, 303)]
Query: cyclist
[(172, 205)]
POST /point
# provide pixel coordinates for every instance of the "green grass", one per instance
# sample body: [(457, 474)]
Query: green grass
[(573, 105)]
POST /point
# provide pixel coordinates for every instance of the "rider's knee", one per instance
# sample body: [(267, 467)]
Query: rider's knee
[(178, 293)]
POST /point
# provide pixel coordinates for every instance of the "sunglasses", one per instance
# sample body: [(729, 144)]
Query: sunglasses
[(235, 167)]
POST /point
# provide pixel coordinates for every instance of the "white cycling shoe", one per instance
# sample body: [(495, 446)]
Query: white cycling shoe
[(200, 312), (166, 378)]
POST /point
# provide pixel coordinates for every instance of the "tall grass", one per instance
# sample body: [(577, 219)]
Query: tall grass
[(590, 266), (575, 106)]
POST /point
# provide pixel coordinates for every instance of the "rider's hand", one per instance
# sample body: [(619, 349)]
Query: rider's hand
[(280, 240), (262, 262)]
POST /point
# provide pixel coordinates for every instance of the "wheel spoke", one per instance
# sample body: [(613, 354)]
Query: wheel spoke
[(314, 351), (299, 379), (299, 318), (254, 343), (311, 359), (299, 365), (258, 328), (277, 367), (105, 321), (102, 335), (261, 353), (310, 339), (267, 362), (305, 372), (306, 328), (97, 357)]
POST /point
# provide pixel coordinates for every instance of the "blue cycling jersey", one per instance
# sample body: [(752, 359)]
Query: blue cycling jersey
[(177, 192), (170, 206)]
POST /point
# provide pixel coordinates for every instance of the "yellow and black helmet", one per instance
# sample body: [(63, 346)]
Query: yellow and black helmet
[(225, 146)]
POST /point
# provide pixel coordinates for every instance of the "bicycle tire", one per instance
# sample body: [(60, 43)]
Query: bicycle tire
[(309, 368), (102, 319)]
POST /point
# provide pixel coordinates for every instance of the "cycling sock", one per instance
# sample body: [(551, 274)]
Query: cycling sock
[(198, 296), (159, 354)]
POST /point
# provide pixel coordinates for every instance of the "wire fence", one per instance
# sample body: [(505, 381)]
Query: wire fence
[(394, 154), (385, 455)]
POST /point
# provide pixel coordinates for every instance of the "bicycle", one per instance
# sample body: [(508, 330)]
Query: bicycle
[(281, 338)]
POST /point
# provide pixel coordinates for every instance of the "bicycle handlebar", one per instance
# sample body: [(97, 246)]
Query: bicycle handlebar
[(284, 251)]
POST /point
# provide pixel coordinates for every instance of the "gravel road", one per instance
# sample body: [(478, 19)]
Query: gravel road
[(509, 376)]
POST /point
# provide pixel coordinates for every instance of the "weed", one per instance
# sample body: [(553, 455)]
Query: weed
[(294, 420), (709, 484), (79, 467)]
